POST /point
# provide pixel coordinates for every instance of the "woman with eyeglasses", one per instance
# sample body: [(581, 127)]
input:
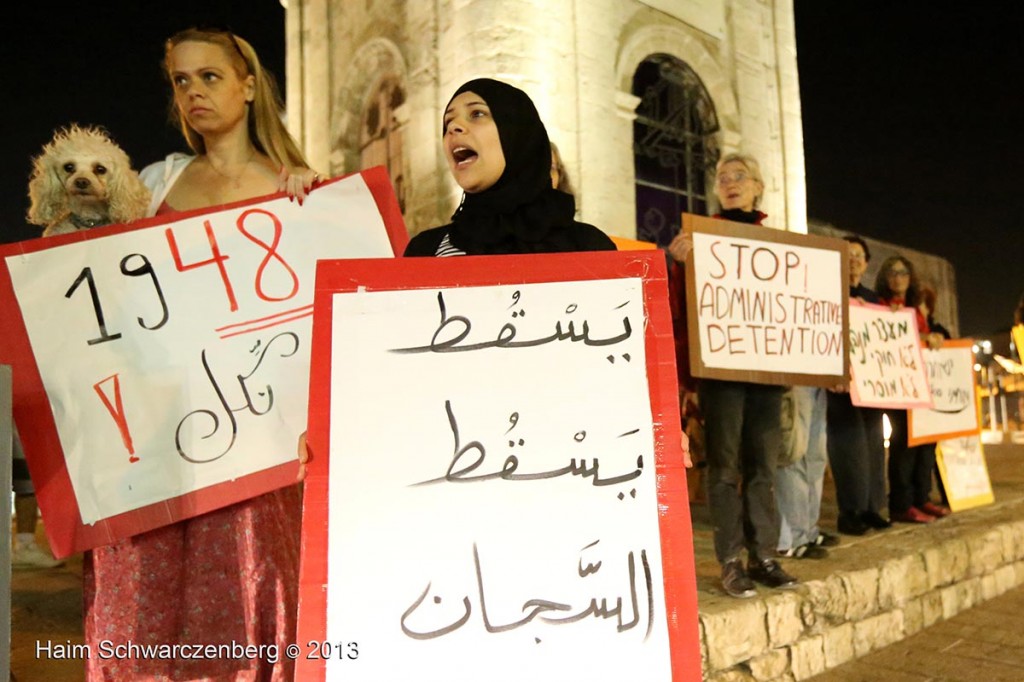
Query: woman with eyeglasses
[(229, 576), (910, 468), (742, 421)]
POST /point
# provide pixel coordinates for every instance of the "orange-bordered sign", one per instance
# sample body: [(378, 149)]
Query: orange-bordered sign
[(956, 411)]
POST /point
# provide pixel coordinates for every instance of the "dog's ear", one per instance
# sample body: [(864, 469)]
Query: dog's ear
[(46, 192), (128, 198)]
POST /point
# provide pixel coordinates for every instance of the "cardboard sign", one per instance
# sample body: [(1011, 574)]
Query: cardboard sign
[(964, 472), (161, 369), (887, 367), (764, 305), (1017, 333), (952, 386), (497, 489)]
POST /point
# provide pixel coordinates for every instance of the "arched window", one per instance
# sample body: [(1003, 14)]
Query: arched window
[(380, 137), (674, 148)]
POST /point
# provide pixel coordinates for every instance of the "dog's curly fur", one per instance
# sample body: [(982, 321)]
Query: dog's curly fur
[(83, 176)]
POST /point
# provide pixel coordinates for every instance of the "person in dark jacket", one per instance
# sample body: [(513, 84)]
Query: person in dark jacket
[(855, 441), (742, 428), (499, 153)]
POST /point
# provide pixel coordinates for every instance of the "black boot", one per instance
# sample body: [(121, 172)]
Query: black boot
[(735, 581), (875, 520), (850, 524), (768, 572)]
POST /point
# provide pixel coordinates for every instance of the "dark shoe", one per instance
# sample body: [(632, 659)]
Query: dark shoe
[(935, 510), (913, 515), (735, 581), (851, 525), (826, 540), (875, 520), (768, 572), (808, 551)]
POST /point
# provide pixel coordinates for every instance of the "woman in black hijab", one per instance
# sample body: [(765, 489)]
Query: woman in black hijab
[(498, 152)]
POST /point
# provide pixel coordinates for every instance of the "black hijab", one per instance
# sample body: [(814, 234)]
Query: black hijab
[(520, 213)]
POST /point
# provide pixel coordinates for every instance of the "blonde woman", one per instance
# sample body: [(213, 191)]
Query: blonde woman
[(229, 576)]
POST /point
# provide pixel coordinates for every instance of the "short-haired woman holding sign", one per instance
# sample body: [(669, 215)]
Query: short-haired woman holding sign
[(742, 427)]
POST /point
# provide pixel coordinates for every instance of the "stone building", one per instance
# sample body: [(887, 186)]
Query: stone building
[(641, 96), (931, 269)]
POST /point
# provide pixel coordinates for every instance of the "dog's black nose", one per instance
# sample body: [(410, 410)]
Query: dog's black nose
[(82, 183)]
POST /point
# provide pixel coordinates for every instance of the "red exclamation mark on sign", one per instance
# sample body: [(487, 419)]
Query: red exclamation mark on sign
[(117, 412)]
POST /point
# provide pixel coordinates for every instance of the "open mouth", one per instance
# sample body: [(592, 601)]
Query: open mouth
[(463, 156)]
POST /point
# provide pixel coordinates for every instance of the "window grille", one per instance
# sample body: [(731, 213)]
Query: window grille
[(674, 148)]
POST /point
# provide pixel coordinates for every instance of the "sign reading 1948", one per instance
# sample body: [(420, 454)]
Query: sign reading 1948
[(175, 356)]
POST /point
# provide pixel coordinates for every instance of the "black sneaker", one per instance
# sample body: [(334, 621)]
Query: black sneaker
[(735, 581), (851, 525), (808, 551), (768, 572), (875, 520), (826, 540)]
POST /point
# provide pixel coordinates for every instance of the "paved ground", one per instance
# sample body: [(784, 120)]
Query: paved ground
[(46, 605)]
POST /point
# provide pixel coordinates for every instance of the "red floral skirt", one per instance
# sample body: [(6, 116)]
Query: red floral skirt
[(228, 578)]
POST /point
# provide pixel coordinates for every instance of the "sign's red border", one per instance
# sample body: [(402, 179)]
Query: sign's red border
[(38, 430), (413, 273)]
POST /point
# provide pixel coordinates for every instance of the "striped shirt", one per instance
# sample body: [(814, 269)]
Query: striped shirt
[(445, 248)]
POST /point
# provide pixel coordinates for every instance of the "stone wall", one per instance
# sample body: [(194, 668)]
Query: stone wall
[(932, 269), (576, 59), (796, 635)]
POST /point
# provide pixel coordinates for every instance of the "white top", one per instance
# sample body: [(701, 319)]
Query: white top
[(159, 177)]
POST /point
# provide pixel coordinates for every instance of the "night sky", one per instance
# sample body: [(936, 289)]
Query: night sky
[(913, 115), (913, 118), (101, 64)]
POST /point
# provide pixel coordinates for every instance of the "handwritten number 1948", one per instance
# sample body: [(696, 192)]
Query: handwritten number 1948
[(86, 276), (145, 269), (218, 259)]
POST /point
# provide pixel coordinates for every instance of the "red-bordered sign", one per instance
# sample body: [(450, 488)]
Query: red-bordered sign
[(165, 279), (886, 363), (441, 280)]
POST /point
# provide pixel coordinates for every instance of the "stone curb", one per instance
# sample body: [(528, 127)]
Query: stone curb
[(790, 636)]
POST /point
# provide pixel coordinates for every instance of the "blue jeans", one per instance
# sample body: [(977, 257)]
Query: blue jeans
[(798, 485)]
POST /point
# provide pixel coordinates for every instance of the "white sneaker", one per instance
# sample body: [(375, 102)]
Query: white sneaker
[(32, 556)]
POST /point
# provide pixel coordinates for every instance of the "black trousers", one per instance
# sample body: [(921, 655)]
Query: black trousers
[(910, 468), (856, 453), (743, 439)]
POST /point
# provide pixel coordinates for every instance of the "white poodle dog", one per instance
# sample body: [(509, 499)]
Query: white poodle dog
[(82, 180)]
